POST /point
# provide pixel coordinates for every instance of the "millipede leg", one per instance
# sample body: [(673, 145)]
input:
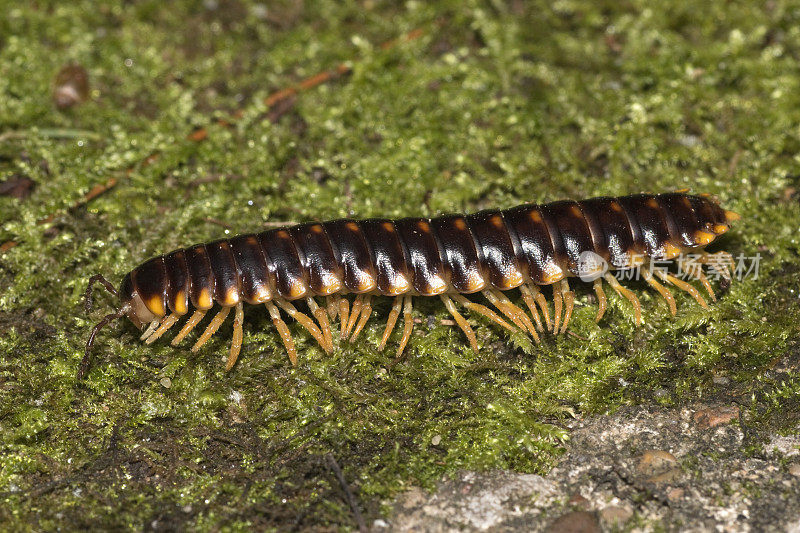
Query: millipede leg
[(602, 301), (707, 284), (195, 319), (482, 310), (408, 324), (344, 315), (683, 286), (283, 331), (366, 311), (514, 313), (393, 315), (531, 303), (332, 305), (324, 324), (212, 327), (355, 311), (569, 303), (719, 262), (304, 321), (625, 293), (150, 329), (542, 301), (238, 334), (648, 277), (165, 325), (462, 323), (557, 304)]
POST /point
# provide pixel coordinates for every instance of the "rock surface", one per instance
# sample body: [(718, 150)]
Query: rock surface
[(643, 468)]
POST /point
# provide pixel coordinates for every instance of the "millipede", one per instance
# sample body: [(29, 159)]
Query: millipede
[(454, 257)]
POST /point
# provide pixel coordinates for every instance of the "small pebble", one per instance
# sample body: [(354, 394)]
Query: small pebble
[(615, 515), (795, 469), (436, 440), (166, 383)]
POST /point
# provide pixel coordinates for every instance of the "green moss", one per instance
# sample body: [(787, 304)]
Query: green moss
[(493, 106)]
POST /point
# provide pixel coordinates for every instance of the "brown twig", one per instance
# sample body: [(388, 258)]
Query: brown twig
[(351, 499)]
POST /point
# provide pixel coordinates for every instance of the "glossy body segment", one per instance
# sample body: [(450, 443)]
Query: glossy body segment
[(255, 277), (423, 256), (499, 259), (353, 255), (227, 283), (459, 254), (324, 271), (392, 272), (291, 279), (178, 282), (576, 237), (618, 237), (536, 250)]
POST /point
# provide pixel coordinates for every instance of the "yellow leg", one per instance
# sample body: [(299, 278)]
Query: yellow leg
[(625, 293), (344, 315), (355, 311), (238, 334), (304, 321), (408, 324), (366, 311), (212, 327), (482, 310), (332, 305), (283, 331), (530, 301), (393, 315), (165, 325), (462, 323), (569, 303), (682, 285), (704, 281), (514, 313), (324, 324), (648, 277), (195, 319), (602, 301), (719, 262), (556, 307), (150, 329)]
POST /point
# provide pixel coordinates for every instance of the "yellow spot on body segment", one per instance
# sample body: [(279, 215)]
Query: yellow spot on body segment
[(262, 294), (496, 221), (652, 203), (730, 216), (576, 211), (551, 274), (317, 228), (204, 299), (423, 226), (616, 207), (180, 303), (352, 226), (231, 297), (536, 216), (702, 238), (437, 285), (460, 224), (719, 228), (671, 251), (297, 289), (366, 283), (156, 306), (475, 282), (330, 284), (388, 226)]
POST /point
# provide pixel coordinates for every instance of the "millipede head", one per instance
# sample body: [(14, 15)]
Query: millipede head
[(131, 306)]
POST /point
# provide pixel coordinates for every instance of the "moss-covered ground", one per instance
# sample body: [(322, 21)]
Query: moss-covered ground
[(495, 104)]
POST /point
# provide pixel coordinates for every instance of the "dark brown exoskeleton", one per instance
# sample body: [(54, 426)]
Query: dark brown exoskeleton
[(448, 256)]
